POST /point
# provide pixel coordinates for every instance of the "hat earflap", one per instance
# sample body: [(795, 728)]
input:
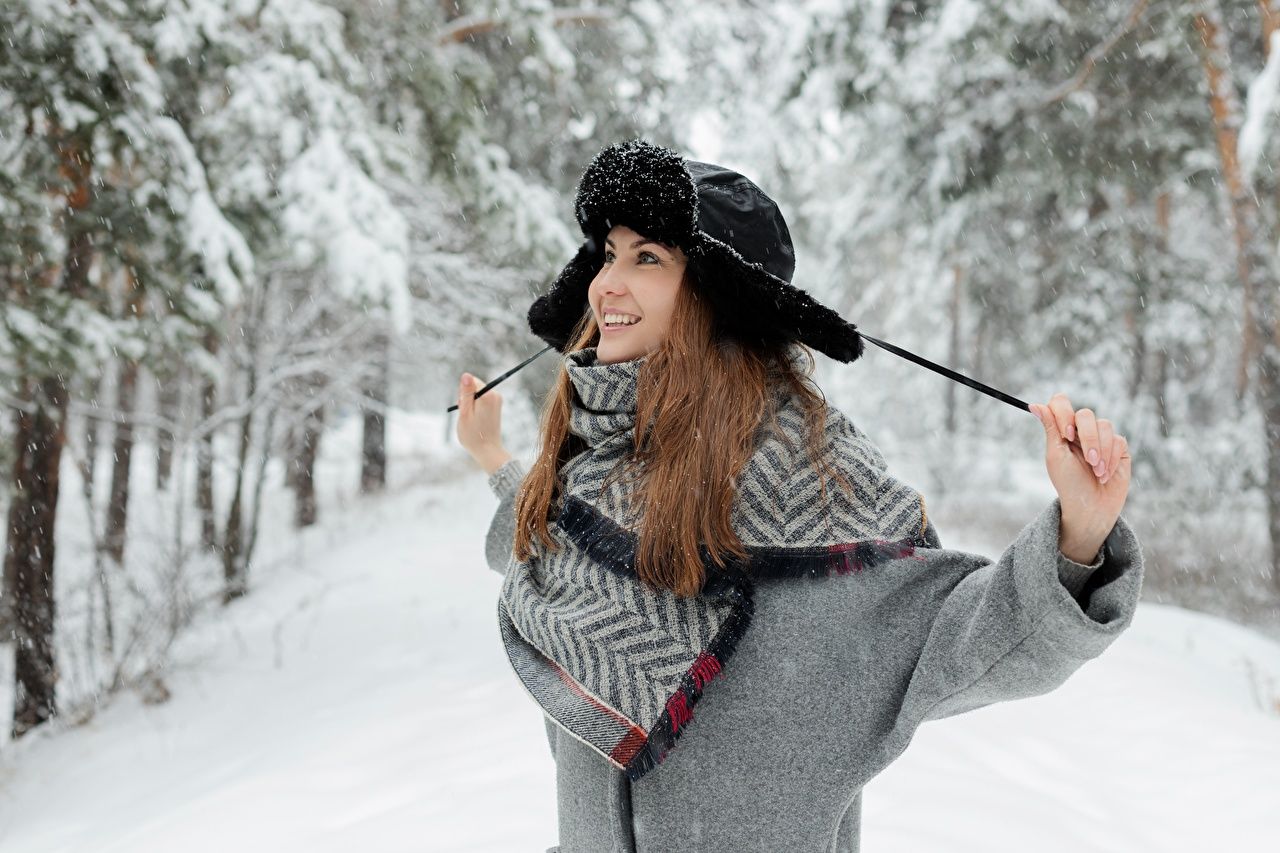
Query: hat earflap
[(760, 309), (554, 315)]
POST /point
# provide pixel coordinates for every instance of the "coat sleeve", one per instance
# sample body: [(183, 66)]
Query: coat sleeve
[(1019, 626), (1071, 574), (500, 539)]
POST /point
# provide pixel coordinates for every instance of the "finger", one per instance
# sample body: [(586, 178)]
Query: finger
[(482, 401), (1050, 426), (1106, 446), (466, 397), (1060, 406), (1087, 429), (1119, 455)]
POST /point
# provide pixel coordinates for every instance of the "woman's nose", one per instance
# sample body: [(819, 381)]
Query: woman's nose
[(612, 281)]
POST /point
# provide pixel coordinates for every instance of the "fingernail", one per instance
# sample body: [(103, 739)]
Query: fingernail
[(1093, 456), (1071, 432)]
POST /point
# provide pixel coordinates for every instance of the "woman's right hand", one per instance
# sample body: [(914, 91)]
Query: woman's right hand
[(480, 424)]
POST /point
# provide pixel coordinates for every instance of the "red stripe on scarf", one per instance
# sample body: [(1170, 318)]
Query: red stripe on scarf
[(635, 738), (628, 747)]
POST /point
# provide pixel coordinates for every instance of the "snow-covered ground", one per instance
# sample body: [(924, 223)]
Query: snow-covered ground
[(359, 699)]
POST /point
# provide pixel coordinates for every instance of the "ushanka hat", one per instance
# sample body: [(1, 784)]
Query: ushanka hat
[(734, 236)]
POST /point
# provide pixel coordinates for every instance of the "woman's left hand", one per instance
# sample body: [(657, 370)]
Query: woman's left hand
[(1089, 465)]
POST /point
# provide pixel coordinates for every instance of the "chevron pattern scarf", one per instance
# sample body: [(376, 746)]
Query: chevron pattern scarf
[(619, 664)]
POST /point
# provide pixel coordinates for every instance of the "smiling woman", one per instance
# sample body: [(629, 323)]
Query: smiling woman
[(634, 294), (699, 519)]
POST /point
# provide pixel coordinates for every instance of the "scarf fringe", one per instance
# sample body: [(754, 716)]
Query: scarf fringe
[(840, 559), (708, 665), (615, 548)]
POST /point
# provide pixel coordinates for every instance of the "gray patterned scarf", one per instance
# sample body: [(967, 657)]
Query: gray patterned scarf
[(620, 664)]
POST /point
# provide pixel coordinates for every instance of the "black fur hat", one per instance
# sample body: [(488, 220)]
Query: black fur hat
[(734, 237)]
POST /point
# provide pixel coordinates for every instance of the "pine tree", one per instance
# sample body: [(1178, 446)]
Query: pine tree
[(95, 133)]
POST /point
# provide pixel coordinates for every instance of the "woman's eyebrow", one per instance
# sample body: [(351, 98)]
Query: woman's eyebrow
[(637, 244)]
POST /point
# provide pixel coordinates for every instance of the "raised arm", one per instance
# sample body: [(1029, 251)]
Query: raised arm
[(505, 482), (1019, 626), (480, 432)]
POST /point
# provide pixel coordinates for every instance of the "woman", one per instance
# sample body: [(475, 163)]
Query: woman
[(700, 528)]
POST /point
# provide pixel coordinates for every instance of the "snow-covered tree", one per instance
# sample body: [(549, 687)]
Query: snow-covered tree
[(95, 147), (1044, 181)]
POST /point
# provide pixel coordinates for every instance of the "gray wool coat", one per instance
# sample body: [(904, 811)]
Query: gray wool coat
[(830, 682)]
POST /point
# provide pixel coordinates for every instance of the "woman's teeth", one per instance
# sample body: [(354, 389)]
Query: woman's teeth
[(620, 319)]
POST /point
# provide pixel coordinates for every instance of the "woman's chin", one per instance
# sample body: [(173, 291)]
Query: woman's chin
[(608, 352)]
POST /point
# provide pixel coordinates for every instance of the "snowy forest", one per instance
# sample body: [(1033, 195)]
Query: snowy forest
[(247, 247)]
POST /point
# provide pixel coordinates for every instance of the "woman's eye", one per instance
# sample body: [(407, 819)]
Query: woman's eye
[(608, 256)]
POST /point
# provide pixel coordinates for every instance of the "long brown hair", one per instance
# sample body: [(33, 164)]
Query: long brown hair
[(703, 399)]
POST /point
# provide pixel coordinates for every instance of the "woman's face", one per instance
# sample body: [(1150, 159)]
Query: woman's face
[(638, 279)]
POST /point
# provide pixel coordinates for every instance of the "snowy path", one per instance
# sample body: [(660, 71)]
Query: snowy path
[(359, 699), (333, 713)]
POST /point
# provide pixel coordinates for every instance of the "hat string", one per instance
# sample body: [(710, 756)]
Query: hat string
[(910, 356), (949, 373)]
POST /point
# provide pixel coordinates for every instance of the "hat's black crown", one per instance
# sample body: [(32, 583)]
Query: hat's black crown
[(642, 186)]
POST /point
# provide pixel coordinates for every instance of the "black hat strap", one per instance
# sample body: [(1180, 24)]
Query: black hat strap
[(950, 374), (910, 356), (518, 367)]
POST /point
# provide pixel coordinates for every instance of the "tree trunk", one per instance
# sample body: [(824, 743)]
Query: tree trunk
[(234, 564), (1251, 265), (204, 462), (10, 583), (304, 467), (957, 278), (41, 435), (1260, 360), (122, 446), (259, 483), (980, 347), (1269, 363), (6, 599), (1269, 399), (291, 449), (170, 405), (91, 430), (99, 564), (1135, 312), (373, 473), (1270, 16), (1162, 391), (1163, 202), (29, 557), (113, 537)]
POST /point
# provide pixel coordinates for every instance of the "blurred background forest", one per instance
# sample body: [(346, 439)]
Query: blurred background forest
[(235, 232)]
